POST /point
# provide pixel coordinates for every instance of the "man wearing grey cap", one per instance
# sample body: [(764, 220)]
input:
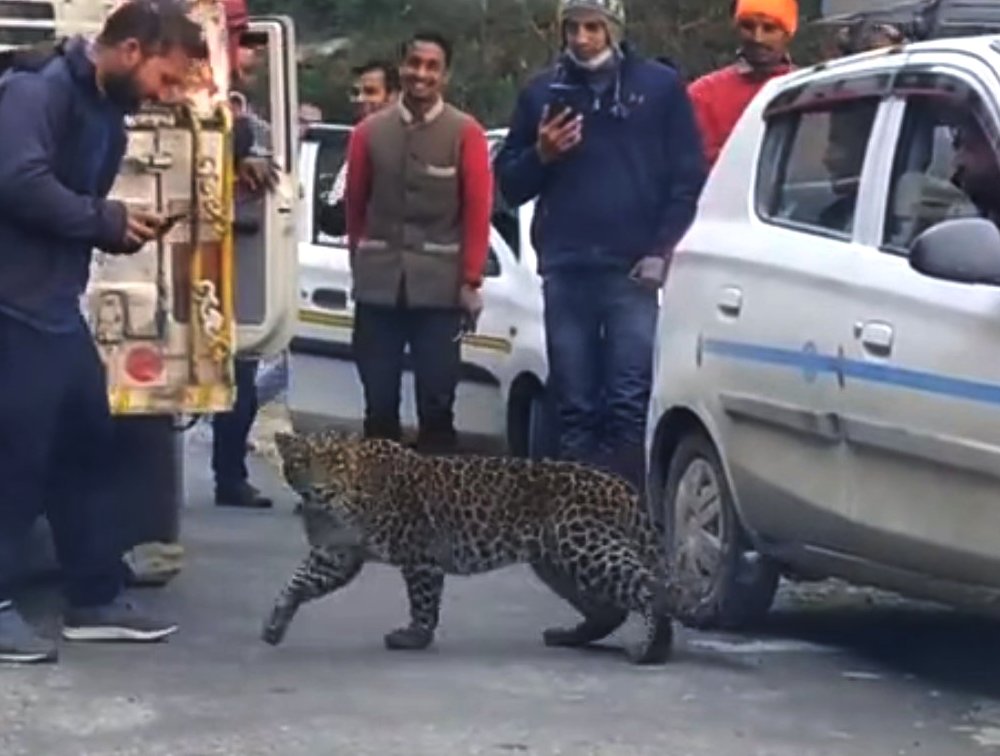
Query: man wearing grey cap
[(607, 143)]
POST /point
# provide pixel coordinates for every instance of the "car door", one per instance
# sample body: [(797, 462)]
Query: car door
[(325, 304), (486, 353), (776, 267), (922, 382), (266, 266)]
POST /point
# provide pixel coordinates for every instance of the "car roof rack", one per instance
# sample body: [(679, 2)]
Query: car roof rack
[(916, 20)]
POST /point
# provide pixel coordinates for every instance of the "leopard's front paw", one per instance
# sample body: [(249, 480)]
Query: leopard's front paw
[(277, 624), (409, 639)]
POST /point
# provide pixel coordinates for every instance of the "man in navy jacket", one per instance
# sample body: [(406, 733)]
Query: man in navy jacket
[(607, 143), (62, 139)]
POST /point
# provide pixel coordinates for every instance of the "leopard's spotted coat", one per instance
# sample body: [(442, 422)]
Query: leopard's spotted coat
[(584, 533)]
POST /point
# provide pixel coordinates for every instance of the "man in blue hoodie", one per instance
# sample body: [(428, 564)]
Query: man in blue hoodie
[(608, 144), (62, 139)]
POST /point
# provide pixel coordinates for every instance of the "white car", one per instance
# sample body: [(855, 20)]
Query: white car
[(501, 404), (827, 387)]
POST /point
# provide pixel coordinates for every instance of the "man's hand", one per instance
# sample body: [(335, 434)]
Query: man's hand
[(558, 135), (471, 302), (258, 174), (142, 227), (651, 271)]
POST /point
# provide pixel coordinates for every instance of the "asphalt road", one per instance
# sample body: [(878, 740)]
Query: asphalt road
[(835, 671)]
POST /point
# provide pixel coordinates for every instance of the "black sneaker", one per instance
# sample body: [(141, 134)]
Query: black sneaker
[(242, 496), (19, 643), (121, 620)]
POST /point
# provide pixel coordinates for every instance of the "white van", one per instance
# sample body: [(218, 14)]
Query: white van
[(501, 403)]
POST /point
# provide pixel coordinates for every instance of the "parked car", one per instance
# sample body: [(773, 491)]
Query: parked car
[(501, 404), (827, 397)]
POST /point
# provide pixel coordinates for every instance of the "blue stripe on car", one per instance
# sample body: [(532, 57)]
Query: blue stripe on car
[(808, 362)]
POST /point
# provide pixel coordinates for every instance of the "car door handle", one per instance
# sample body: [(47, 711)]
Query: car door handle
[(875, 336), (731, 301)]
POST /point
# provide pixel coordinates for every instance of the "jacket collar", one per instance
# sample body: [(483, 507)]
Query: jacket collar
[(744, 68), (625, 58), (410, 119), (77, 53)]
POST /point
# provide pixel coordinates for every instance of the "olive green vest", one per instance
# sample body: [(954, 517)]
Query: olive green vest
[(413, 231)]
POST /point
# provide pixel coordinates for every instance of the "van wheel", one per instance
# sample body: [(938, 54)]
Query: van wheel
[(540, 426), (723, 583)]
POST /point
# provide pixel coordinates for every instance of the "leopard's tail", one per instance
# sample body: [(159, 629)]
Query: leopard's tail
[(672, 596)]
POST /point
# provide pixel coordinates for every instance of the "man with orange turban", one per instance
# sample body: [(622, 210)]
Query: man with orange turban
[(765, 28)]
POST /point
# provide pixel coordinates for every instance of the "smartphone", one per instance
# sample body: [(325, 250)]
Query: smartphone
[(170, 221), (561, 99)]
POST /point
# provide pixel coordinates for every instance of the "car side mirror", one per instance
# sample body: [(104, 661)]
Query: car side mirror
[(965, 250)]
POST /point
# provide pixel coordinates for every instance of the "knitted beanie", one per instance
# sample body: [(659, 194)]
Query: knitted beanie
[(612, 10), (784, 12)]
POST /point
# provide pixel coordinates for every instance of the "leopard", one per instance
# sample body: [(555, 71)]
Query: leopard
[(586, 534)]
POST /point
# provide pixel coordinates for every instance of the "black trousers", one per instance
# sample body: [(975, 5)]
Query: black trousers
[(55, 440), (231, 430), (381, 336)]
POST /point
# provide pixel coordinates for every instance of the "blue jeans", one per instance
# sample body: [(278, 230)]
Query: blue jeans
[(56, 438), (600, 326), (231, 430)]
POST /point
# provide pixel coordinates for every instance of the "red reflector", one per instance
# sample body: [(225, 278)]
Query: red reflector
[(143, 364)]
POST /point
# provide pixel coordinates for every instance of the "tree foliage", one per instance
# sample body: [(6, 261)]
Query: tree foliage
[(498, 43)]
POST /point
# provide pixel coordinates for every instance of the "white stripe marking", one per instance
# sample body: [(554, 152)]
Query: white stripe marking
[(762, 647)]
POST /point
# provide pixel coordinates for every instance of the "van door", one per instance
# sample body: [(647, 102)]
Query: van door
[(267, 261)]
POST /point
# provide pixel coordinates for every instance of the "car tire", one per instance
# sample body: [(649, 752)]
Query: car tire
[(723, 582)]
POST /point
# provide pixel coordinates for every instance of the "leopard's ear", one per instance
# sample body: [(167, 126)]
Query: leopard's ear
[(287, 443)]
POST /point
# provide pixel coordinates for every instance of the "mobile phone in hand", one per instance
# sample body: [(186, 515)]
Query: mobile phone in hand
[(170, 221), (561, 98)]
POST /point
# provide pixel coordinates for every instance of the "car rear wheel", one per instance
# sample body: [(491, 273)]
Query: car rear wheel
[(724, 583)]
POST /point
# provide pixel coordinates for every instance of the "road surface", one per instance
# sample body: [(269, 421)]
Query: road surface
[(835, 671)]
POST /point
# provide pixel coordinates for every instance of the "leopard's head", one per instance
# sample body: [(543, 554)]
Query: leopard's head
[(296, 452), (327, 464)]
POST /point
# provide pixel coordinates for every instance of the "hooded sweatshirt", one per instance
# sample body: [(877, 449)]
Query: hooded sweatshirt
[(630, 189), (61, 143)]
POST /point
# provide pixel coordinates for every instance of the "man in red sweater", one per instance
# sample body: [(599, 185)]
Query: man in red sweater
[(765, 28), (419, 199)]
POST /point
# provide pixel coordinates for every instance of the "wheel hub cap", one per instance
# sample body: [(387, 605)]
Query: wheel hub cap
[(698, 524)]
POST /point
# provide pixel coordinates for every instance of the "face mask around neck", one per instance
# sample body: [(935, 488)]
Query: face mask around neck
[(600, 61)]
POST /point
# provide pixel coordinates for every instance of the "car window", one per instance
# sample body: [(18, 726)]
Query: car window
[(329, 220), (941, 155), (811, 166), (491, 268)]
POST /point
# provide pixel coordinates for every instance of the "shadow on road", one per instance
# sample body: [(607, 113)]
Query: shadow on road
[(940, 646)]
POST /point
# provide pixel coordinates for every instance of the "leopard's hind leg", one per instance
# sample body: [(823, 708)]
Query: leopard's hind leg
[(609, 568), (599, 619), (323, 572)]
